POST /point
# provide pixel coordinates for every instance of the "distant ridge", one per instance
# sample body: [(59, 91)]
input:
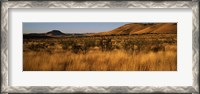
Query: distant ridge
[(51, 34)]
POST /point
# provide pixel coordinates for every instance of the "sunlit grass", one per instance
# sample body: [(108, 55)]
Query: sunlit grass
[(117, 60)]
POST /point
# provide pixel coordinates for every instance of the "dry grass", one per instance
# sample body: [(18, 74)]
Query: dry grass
[(117, 60), (145, 52)]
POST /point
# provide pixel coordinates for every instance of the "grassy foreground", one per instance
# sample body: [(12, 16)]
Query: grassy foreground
[(118, 60)]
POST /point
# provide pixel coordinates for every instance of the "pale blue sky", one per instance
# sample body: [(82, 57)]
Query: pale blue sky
[(70, 27)]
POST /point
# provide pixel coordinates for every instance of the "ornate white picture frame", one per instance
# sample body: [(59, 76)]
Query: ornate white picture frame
[(6, 5)]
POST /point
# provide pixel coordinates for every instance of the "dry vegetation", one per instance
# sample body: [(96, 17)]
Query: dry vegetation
[(145, 52)]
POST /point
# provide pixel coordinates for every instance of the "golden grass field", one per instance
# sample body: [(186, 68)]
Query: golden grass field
[(154, 53), (100, 61)]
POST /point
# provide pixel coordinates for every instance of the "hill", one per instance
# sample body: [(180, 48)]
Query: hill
[(140, 28), (55, 33)]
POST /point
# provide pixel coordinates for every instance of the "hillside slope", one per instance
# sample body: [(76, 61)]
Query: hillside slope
[(138, 28)]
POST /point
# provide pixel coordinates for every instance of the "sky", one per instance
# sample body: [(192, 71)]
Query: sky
[(70, 27)]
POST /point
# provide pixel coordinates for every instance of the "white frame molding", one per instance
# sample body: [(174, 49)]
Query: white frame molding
[(99, 4)]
